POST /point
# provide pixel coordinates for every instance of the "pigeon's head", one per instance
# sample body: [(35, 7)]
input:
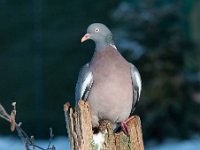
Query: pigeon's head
[(99, 33)]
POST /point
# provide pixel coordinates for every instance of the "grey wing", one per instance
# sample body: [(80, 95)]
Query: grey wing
[(137, 86), (84, 83)]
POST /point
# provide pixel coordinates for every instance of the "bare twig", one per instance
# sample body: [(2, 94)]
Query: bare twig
[(4, 114), (51, 138), (28, 141), (33, 141)]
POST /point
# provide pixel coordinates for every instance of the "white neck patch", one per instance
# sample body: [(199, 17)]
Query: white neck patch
[(113, 46)]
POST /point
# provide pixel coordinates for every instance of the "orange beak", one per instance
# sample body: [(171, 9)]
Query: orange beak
[(85, 37)]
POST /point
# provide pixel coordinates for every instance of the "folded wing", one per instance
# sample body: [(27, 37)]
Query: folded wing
[(84, 83)]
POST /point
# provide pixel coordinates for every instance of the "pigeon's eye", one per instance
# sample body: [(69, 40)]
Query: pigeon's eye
[(97, 30)]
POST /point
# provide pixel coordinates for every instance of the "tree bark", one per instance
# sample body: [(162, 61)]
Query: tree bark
[(79, 127)]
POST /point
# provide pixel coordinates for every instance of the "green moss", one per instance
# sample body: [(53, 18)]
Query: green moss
[(94, 146)]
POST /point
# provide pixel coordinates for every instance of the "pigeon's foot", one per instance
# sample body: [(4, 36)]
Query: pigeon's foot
[(124, 126)]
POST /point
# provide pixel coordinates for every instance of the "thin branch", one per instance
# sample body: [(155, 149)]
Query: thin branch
[(51, 137), (4, 114), (28, 141)]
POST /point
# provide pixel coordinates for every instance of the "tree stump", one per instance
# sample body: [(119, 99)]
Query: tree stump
[(79, 127)]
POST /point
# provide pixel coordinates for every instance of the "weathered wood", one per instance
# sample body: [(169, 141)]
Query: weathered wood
[(79, 127)]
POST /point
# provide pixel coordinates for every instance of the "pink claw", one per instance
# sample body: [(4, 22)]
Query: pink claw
[(125, 128)]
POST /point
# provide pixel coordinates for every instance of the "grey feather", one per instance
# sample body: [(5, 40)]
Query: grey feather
[(137, 86), (84, 83)]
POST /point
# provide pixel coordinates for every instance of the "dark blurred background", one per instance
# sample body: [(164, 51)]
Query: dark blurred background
[(41, 54)]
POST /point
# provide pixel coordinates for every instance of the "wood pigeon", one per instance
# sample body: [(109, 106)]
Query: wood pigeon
[(110, 84)]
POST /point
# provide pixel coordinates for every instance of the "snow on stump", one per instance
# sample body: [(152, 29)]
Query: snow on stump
[(81, 136)]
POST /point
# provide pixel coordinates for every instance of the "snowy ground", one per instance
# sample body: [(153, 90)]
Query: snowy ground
[(172, 144), (61, 143), (11, 143)]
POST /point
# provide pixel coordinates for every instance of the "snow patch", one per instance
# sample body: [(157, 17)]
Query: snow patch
[(14, 143), (191, 144), (99, 139)]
